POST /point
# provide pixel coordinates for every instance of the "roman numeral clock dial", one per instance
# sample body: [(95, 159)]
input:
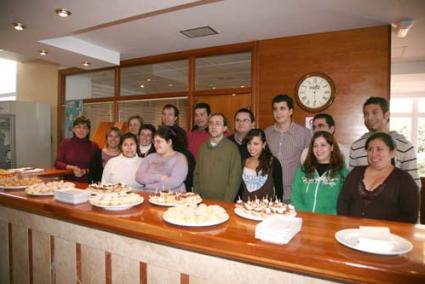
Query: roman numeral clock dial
[(315, 92)]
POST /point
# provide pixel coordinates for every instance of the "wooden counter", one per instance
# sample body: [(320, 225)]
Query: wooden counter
[(313, 252)]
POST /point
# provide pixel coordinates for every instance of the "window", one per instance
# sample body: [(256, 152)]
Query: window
[(99, 84), (7, 80), (223, 71), (408, 118), (165, 77)]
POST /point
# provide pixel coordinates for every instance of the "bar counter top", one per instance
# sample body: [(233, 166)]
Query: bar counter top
[(313, 252)]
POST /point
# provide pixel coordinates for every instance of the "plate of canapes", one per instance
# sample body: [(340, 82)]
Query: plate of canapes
[(12, 180), (193, 215), (48, 189), (260, 209), (116, 201), (96, 188), (171, 199)]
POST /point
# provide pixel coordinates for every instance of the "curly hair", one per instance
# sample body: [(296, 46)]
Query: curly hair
[(266, 157), (336, 159)]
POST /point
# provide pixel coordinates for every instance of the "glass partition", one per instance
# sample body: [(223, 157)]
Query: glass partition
[(165, 77), (99, 84), (223, 71)]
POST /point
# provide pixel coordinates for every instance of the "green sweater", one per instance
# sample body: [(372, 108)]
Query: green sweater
[(218, 171), (318, 194)]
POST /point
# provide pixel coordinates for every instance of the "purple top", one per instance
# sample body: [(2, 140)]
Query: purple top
[(75, 152), (156, 172), (106, 157)]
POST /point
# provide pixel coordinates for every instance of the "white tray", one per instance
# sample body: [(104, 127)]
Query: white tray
[(117, 207)]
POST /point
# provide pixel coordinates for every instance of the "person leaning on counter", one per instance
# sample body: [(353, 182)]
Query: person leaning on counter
[(380, 190), (76, 153)]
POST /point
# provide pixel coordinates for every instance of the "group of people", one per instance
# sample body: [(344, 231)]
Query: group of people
[(376, 178)]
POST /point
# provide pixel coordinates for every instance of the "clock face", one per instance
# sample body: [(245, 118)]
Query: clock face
[(315, 92)]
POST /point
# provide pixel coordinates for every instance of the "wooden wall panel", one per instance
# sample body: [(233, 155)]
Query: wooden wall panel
[(358, 61), (4, 252), (227, 104)]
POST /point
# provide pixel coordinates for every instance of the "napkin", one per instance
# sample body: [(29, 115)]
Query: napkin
[(278, 229), (375, 239)]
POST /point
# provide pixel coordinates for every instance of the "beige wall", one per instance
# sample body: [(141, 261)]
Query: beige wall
[(37, 81)]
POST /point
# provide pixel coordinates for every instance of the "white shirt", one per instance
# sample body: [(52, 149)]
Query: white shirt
[(122, 169)]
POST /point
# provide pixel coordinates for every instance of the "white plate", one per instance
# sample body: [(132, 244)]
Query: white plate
[(349, 238), (253, 216), (169, 204), (41, 193), (212, 223), (117, 207), (13, 186), (242, 213)]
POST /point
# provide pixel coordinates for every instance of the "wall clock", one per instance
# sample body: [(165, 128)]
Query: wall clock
[(315, 92)]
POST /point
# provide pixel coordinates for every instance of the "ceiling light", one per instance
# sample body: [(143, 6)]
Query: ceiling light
[(86, 63), (233, 95), (148, 79), (242, 86), (142, 86), (43, 52), (63, 13), (170, 85), (402, 27), (18, 26)]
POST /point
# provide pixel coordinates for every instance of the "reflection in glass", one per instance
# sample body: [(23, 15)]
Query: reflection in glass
[(6, 142), (99, 84), (165, 77), (223, 71), (421, 105), (421, 146), (97, 112), (151, 110)]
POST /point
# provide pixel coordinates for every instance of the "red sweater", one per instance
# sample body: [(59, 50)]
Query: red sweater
[(195, 139), (75, 152)]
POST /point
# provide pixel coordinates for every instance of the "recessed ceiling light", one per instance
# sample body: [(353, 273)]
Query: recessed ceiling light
[(63, 13), (233, 95), (214, 88), (242, 86), (86, 63), (148, 79), (142, 86), (43, 52), (18, 26), (170, 85)]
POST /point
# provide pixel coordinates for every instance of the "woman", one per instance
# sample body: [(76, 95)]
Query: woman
[(380, 190), (111, 150), (165, 169), (123, 167), (135, 122), (319, 180), (262, 173), (76, 153), (146, 133)]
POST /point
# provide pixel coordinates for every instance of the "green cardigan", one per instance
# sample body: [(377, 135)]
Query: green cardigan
[(218, 171), (318, 194)]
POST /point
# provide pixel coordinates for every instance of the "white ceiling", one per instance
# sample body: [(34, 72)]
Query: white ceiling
[(98, 30)]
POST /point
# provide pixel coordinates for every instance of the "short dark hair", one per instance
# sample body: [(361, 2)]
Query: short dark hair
[(245, 110), (176, 110), (284, 98), (167, 133), (130, 135), (148, 126), (138, 117), (225, 121), (82, 120), (203, 106), (327, 117), (382, 102), (384, 137)]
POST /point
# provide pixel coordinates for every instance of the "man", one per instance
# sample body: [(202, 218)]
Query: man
[(376, 117), (218, 171), (286, 140), (244, 122), (325, 122), (170, 117), (199, 133)]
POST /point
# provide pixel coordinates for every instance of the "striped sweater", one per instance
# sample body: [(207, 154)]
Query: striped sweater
[(405, 158)]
